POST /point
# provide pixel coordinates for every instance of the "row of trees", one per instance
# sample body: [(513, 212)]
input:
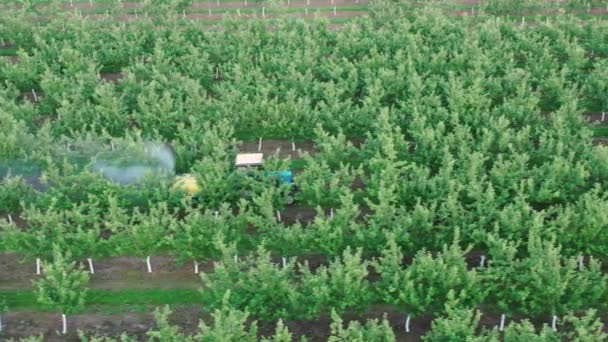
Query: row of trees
[(428, 131), (266, 291)]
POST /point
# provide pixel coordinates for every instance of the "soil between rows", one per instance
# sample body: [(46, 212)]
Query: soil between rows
[(187, 317)]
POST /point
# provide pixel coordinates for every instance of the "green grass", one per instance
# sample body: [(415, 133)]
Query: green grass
[(26, 300), (600, 132), (298, 164), (8, 52)]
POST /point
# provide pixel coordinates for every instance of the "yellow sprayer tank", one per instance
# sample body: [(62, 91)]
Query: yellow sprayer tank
[(186, 183)]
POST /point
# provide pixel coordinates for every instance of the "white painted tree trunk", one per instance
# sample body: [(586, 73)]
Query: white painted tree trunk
[(195, 267), (91, 269), (64, 324), (501, 327), (35, 95), (407, 324), (149, 264), (260, 144), (293, 146), (236, 258), (284, 262), (37, 266), (0, 323), (482, 260), (331, 213), (10, 219), (278, 216)]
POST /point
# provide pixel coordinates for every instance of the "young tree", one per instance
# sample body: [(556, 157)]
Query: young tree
[(266, 290), (63, 286), (544, 282), (229, 324), (586, 328), (459, 323), (425, 285), (165, 332), (372, 330)]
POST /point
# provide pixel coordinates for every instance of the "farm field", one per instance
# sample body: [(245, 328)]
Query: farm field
[(448, 160)]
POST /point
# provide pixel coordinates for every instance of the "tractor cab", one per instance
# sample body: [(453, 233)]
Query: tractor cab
[(248, 161)]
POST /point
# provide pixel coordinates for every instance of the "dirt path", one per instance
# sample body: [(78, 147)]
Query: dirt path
[(116, 273), (27, 323)]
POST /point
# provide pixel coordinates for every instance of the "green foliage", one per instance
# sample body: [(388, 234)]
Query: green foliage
[(195, 236), (257, 285), (585, 328), (542, 283), (459, 324), (426, 284), (228, 325), (340, 286), (164, 331), (525, 331), (63, 285), (13, 192), (373, 330)]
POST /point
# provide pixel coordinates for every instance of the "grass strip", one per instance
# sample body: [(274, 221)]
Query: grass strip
[(600, 132), (26, 300), (8, 52)]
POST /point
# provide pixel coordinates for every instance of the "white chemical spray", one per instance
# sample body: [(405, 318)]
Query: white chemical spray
[(133, 165)]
